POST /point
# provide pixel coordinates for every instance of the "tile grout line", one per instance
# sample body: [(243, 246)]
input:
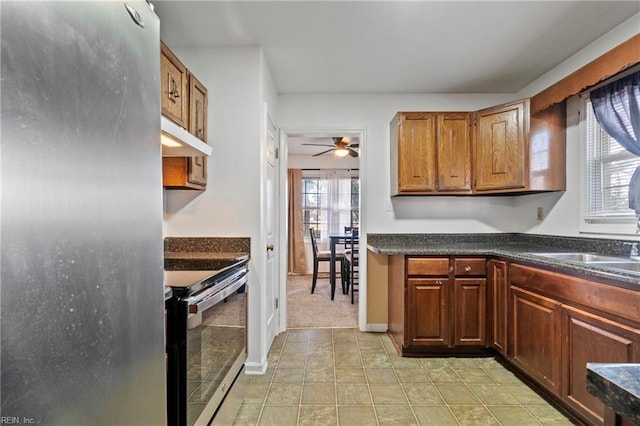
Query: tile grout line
[(393, 367), (366, 378)]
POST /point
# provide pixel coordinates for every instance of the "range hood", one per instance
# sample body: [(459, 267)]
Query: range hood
[(177, 142)]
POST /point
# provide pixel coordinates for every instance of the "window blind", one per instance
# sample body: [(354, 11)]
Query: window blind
[(608, 170)]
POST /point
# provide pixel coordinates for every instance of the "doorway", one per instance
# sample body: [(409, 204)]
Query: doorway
[(317, 169)]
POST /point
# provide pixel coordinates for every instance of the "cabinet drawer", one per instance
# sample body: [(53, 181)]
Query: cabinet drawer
[(470, 266), (427, 266)]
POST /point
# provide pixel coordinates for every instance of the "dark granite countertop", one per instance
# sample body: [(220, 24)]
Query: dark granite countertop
[(514, 247), (617, 386), (204, 253)]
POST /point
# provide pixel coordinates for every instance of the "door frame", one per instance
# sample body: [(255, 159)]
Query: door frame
[(282, 212)]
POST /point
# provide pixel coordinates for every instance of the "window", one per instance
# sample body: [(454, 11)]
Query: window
[(607, 169), (330, 200)]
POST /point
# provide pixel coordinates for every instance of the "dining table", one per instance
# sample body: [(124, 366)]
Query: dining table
[(334, 240)]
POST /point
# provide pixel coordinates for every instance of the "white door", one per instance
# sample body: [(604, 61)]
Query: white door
[(270, 205)]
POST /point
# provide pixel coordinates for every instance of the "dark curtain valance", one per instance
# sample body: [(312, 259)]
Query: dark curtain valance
[(617, 109)]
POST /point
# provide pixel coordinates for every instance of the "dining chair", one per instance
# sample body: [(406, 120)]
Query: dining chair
[(325, 256), (352, 259)]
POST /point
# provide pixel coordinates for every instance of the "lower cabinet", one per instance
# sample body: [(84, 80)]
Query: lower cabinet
[(470, 311), (440, 306), (559, 323), (592, 338), (428, 322), (498, 303), (535, 337), (546, 324)]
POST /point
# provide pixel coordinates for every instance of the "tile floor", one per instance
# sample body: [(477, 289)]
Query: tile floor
[(341, 376)]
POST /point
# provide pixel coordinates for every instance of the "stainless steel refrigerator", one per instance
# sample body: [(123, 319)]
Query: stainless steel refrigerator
[(81, 291)]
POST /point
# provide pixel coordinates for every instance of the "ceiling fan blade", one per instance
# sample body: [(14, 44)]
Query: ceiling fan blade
[(353, 153), (354, 145), (323, 152), (315, 144)]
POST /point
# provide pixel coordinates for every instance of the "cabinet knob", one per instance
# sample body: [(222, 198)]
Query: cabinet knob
[(450, 268), (467, 268)]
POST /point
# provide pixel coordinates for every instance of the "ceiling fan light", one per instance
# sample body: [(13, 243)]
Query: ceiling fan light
[(341, 152)]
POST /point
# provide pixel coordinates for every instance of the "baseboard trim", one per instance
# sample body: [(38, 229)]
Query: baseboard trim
[(376, 328), (255, 368)]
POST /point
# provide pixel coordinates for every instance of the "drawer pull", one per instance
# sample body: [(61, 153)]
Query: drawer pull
[(467, 268)]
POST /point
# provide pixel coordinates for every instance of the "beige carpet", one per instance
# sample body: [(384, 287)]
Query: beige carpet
[(318, 310)]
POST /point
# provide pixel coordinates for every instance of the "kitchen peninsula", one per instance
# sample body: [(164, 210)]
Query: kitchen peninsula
[(539, 302)]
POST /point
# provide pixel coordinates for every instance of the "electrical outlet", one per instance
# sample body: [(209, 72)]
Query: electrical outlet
[(540, 213)]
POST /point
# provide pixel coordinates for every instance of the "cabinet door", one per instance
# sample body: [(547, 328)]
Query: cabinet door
[(592, 338), (535, 337), (454, 152), (498, 295), (470, 296), (173, 86), (427, 312), (417, 152), (197, 170), (501, 160), (197, 108)]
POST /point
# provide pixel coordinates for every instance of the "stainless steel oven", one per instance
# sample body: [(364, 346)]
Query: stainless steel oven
[(206, 340)]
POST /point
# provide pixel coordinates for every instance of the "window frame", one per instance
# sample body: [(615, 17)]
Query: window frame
[(315, 174), (616, 224)]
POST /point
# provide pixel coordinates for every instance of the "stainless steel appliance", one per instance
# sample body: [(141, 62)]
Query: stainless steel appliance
[(206, 339), (81, 311)]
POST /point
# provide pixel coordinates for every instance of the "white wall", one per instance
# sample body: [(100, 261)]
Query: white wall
[(563, 209), (372, 113), (237, 86), (450, 214)]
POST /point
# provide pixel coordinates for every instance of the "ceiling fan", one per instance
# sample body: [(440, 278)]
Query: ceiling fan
[(342, 147)]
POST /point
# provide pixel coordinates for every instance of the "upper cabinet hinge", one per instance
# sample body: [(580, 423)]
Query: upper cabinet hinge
[(277, 153)]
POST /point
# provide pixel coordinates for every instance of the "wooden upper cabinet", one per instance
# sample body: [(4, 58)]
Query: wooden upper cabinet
[(431, 153), (198, 101), (415, 149), (187, 107), (502, 149), (454, 152), (501, 143), (173, 87)]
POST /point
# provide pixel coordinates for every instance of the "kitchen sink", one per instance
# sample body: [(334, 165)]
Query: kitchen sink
[(629, 265), (583, 257)]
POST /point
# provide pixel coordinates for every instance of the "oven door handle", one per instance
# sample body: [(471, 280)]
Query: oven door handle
[(214, 286), (204, 303)]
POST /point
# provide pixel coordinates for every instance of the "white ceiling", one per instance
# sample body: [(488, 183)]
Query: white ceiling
[(396, 46)]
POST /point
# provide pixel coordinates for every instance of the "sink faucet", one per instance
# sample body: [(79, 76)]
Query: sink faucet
[(633, 255)]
